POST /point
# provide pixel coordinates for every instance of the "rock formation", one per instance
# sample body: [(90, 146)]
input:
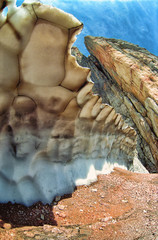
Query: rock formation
[(126, 76), (54, 132)]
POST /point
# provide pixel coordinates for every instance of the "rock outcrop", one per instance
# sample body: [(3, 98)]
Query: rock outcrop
[(54, 132), (126, 76)]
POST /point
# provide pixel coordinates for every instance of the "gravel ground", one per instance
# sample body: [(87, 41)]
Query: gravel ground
[(122, 206)]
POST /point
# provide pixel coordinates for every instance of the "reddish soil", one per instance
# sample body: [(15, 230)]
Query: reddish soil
[(119, 206)]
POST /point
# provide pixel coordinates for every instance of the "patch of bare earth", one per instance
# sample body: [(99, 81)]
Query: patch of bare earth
[(121, 206)]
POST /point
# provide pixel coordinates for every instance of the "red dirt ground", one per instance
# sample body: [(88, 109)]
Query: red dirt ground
[(119, 206)]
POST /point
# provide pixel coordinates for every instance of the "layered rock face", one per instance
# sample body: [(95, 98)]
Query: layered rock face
[(54, 132), (128, 77)]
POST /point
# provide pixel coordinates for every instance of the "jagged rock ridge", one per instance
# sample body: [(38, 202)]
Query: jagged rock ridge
[(126, 76)]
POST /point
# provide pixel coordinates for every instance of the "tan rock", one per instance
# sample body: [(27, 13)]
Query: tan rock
[(97, 108), (23, 23), (2, 19), (86, 111), (6, 99), (9, 74), (55, 15), (118, 119), (140, 108), (7, 226), (71, 110), (24, 105), (111, 117), (55, 132), (85, 94), (53, 41), (9, 40), (128, 71), (135, 70), (75, 76), (104, 113), (51, 99)]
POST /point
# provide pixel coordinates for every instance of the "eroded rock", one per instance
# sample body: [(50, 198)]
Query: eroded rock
[(129, 75), (55, 132)]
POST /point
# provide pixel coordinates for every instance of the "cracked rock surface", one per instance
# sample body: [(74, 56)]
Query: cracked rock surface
[(126, 76), (55, 133)]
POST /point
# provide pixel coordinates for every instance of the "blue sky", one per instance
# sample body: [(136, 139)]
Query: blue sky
[(135, 21)]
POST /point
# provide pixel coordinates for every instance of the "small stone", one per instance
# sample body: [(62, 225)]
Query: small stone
[(81, 210), (54, 230), (7, 226), (106, 219), (61, 207), (125, 201), (103, 225), (29, 234), (94, 190), (113, 221), (63, 215), (102, 196)]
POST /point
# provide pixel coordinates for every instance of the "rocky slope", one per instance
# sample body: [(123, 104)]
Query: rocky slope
[(126, 76)]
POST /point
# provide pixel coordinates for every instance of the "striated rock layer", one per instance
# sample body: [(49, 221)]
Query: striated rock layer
[(130, 75), (54, 132)]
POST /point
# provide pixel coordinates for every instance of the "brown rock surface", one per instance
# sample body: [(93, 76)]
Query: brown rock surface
[(119, 206), (135, 72), (134, 68)]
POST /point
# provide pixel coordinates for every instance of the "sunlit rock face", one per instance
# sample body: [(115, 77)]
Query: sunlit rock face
[(54, 132), (134, 71)]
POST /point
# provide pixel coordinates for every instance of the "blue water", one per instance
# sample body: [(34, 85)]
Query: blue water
[(135, 21)]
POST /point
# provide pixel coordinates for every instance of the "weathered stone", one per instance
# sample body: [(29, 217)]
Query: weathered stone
[(144, 129), (128, 72), (127, 69), (55, 133), (139, 107)]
